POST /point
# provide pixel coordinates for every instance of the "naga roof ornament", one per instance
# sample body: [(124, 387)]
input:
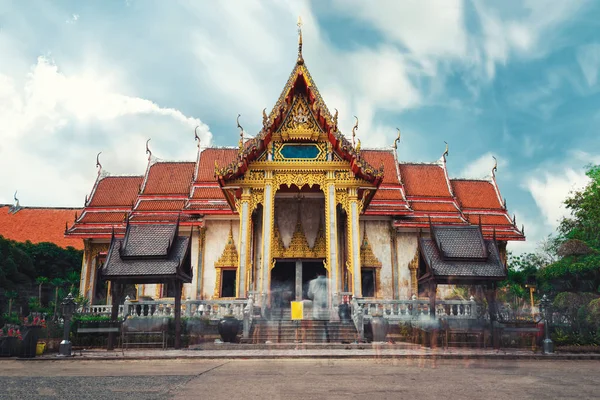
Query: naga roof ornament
[(196, 137), (148, 150), (98, 165)]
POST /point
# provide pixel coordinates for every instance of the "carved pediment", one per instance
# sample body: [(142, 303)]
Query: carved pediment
[(300, 123)]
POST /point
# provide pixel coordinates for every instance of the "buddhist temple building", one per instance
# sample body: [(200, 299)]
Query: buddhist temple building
[(296, 200)]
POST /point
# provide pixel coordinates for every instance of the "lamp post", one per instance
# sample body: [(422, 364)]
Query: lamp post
[(548, 346), (68, 307), (531, 286)]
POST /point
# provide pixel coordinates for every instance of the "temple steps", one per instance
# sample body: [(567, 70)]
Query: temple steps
[(315, 331)]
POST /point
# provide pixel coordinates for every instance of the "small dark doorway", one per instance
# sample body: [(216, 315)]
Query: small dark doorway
[(367, 276), (310, 270), (228, 283), (283, 284)]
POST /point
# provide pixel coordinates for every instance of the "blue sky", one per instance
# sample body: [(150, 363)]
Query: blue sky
[(519, 80)]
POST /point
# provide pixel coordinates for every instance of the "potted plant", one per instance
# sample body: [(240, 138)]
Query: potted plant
[(32, 326), (10, 338), (228, 327)]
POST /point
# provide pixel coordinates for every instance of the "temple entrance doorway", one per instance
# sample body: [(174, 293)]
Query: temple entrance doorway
[(311, 270), (283, 284), (290, 280)]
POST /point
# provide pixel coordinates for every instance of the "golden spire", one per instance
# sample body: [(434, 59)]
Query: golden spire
[(300, 59)]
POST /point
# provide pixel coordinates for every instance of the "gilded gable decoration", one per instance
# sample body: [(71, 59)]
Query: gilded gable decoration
[(300, 123), (229, 257), (367, 257)]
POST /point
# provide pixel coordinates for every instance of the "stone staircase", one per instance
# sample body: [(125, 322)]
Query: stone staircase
[(281, 329)]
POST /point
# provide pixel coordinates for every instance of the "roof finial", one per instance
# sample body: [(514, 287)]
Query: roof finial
[(397, 140), (16, 200), (241, 144), (335, 121), (148, 150), (354, 132), (98, 165), (495, 168), (300, 59), (265, 118), (445, 151), (196, 137)]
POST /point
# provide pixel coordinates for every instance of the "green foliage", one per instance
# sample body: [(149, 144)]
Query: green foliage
[(23, 265), (574, 273), (78, 318), (584, 222), (593, 314)]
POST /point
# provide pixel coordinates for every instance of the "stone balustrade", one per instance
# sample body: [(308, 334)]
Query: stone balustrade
[(416, 308), (102, 309), (210, 309)]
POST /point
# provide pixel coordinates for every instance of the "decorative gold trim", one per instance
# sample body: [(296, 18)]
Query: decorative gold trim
[(299, 179), (321, 155)]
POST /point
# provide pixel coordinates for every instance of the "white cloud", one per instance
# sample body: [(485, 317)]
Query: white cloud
[(482, 167), (588, 57), (425, 28), (53, 125), (551, 189)]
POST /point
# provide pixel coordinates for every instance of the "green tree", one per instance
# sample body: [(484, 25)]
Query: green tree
[(57, 283), (12, 295), (41, 280), (584, 205), (578, 269)]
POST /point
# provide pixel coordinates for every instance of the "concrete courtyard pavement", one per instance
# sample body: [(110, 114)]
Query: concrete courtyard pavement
[(300, 379)]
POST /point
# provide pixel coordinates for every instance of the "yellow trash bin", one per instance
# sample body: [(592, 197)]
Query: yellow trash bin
[(39, 350)]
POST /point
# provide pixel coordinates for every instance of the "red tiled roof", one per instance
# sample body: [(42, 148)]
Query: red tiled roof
[(102, 217), (39, 225), (206, 167), (424, 180), (169, 178), (489, 219), (162, 217), (434, 220), (388, 194), (208, 193), (475, 194), (160, 205), (375, 158), (114, 191), (431, 206)]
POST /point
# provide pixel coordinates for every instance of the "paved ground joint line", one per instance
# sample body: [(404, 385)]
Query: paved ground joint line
[(176, 388)]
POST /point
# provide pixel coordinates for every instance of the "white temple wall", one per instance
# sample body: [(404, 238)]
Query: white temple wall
[(217, 231), (191, 290), (406, 249), (378, 233)]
